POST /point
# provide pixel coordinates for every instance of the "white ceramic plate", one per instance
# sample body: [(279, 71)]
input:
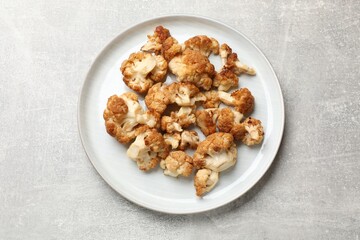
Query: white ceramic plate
[(153, 190)]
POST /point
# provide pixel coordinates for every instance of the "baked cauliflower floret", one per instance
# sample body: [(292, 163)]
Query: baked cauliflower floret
[(170, 48), (157, 98), (206, 120), (189, 139), (212, 99), (148, 149), (217, 152), (177, 163), (230, 61), (170, 125), (227, 119), (178, 120), (142, 69), (242, 100), (155, 41), (224, 51), (150, 118), (199, 97), (172, 139), (225, 80), (205, 180), (204, 44), (192, 66), (158, 74), (250, 132), (184, 94), (182, 141), (123, 114)]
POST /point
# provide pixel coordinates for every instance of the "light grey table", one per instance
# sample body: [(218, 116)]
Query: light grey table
[(49, 189)]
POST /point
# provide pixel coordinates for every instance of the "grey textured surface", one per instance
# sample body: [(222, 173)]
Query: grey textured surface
[(49, 189)]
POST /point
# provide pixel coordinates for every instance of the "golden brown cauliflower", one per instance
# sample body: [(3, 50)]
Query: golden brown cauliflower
[(142, 69), (230, 61), (155, 41), (217, 152), (225, 51), (158, 74), (161, 42), (177, 163), (206, 120), (178, 120), (206, 45), (189, 139), (205, 180), (148, 149), (184, 94), (183, 141), (192, 66), (212, 99), (227, 119), (157, 98), (172, 139), (170, 48), (250, 132), (123, 114), (242, 100), (225, 80), (149, 118)]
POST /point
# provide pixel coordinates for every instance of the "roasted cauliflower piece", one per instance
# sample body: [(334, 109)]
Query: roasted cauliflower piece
[(149, 118), (227, 119), (217, 152), (250, 132), (204, 44), (242, 100), (177, 163), (170, 124), (123, 114), (225, 80), (199, 97), (158, 74), (192, 66), (189, 139), (170, 48), (172, 139), (206, 120), (224, 51), (148, 149), (230, 61), (157, 98), (178, 120), (184, 94), (212, 99), (205, 180), (182, 141), (142, 69), (155, 41), (161, 42)]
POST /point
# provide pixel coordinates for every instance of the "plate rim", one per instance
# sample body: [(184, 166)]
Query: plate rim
[(149, 206)]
